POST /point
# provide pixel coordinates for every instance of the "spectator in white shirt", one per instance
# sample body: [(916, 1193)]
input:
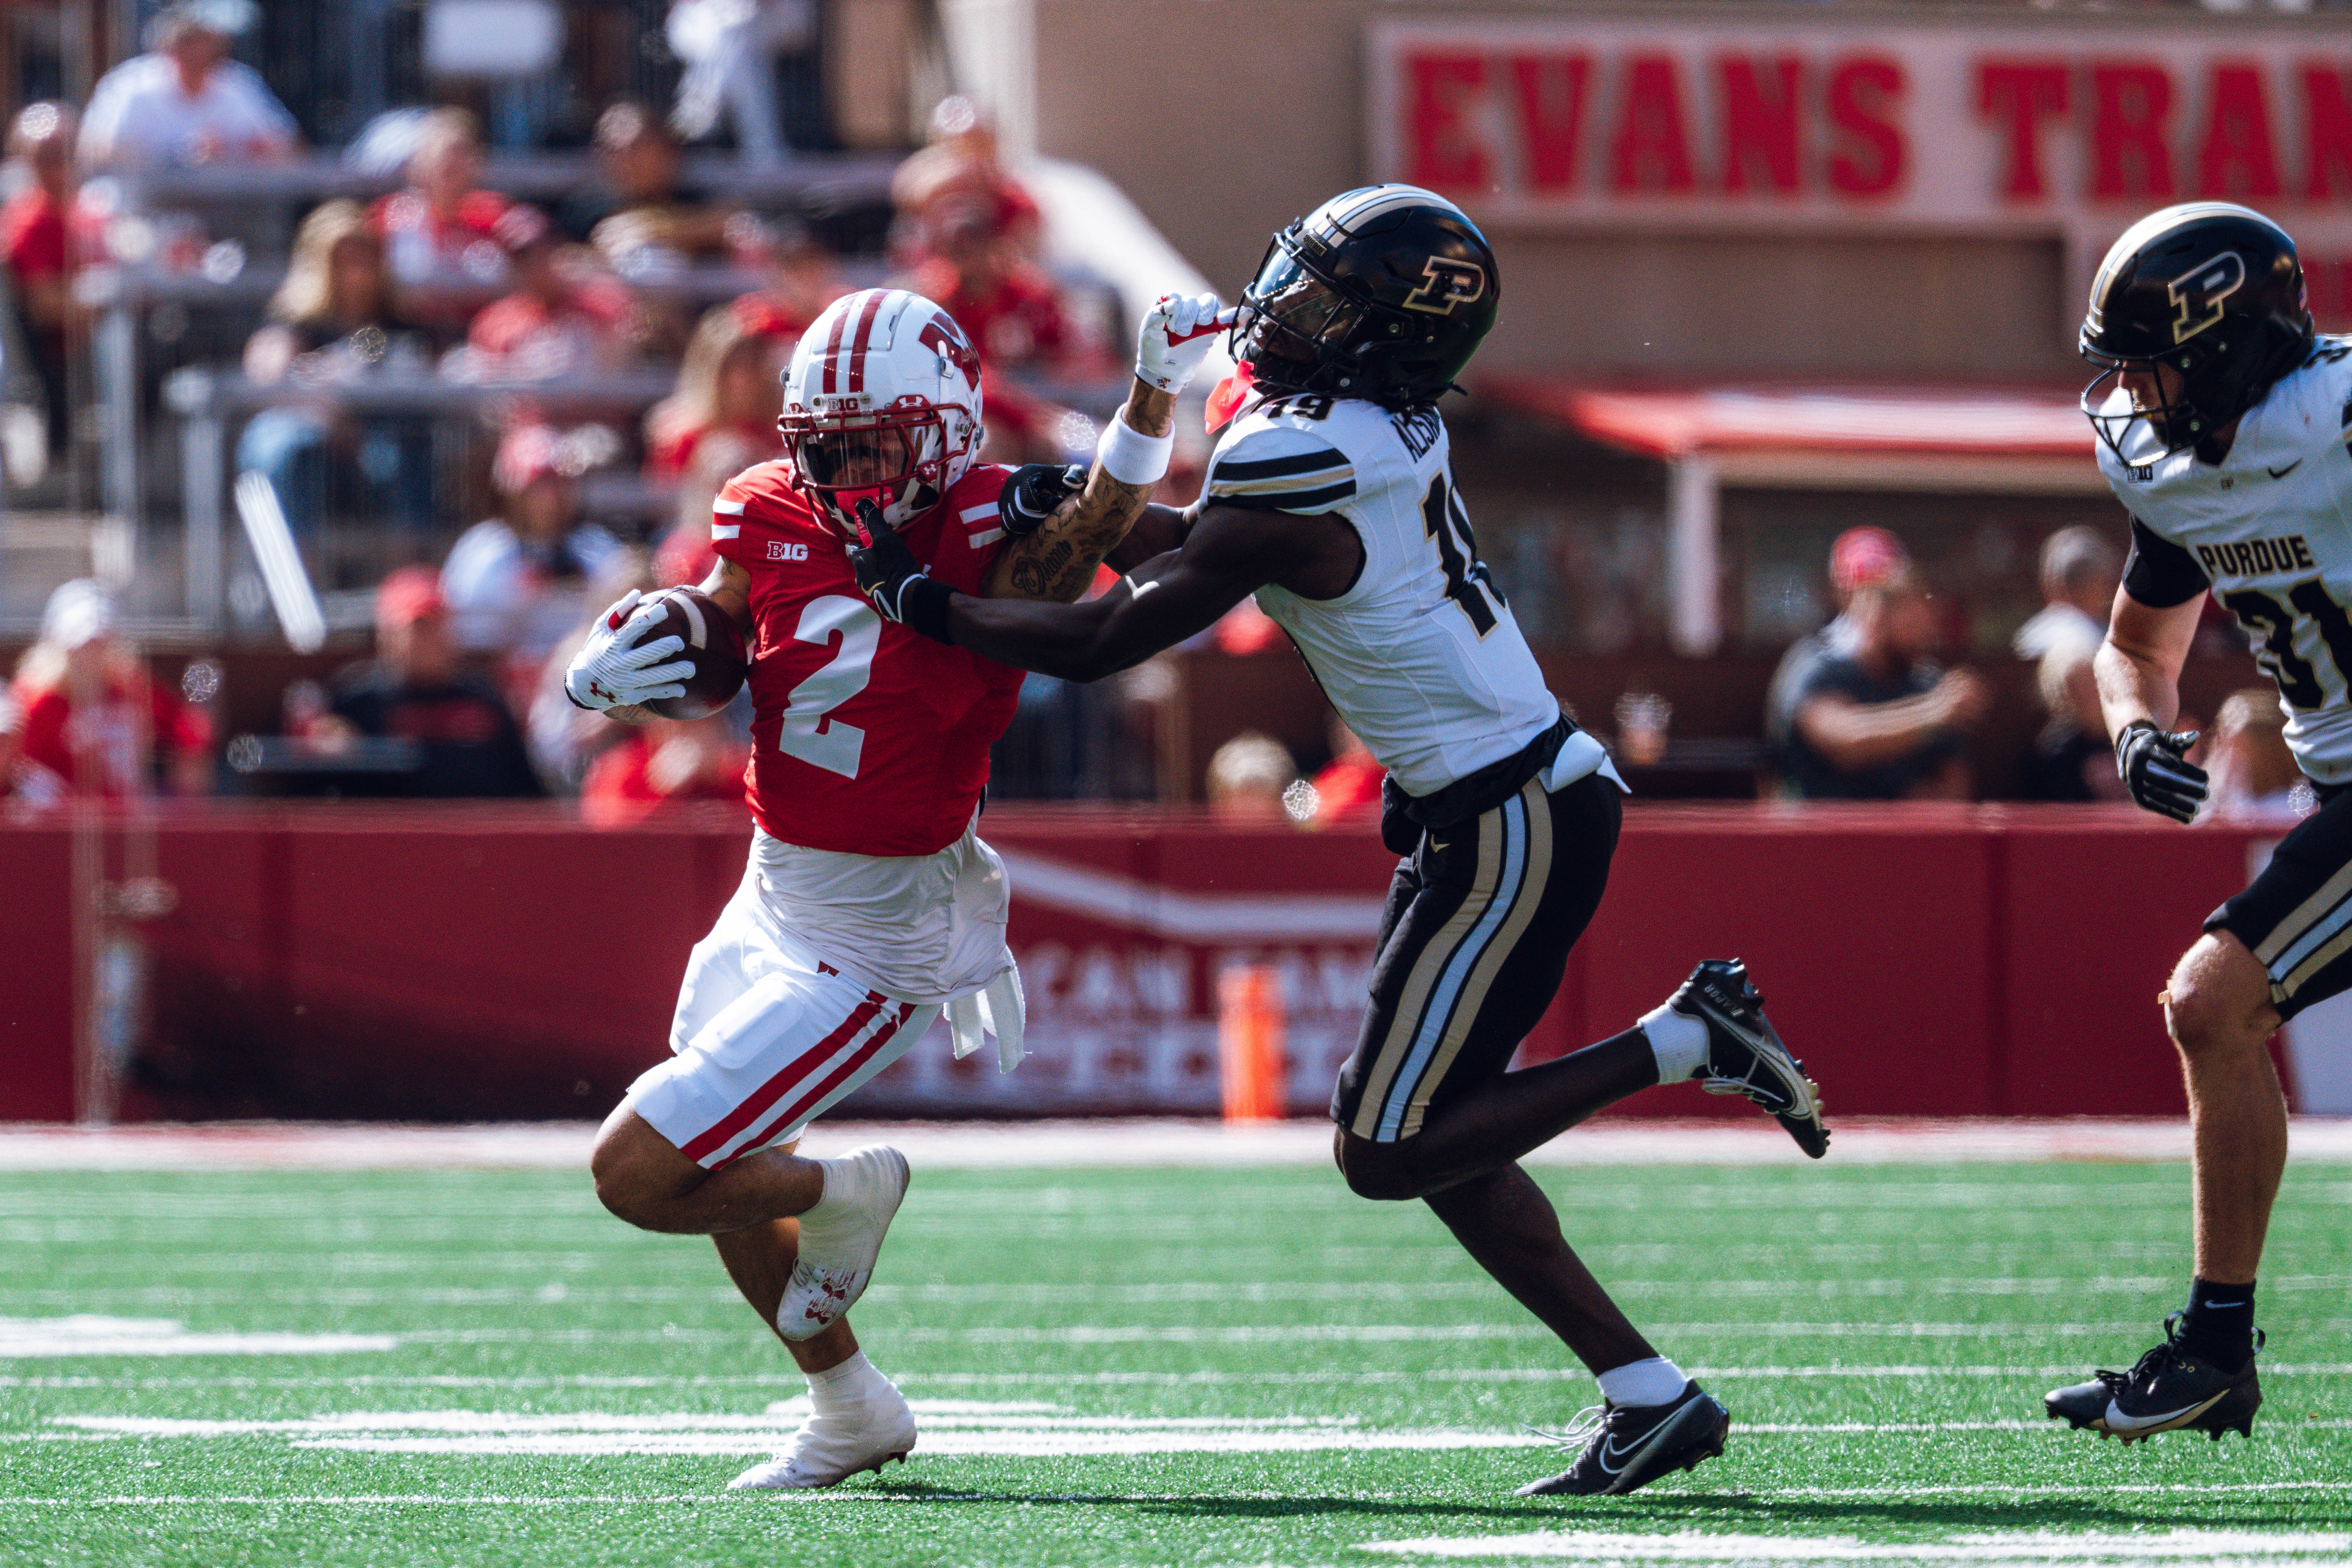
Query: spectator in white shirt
[(2080, 569), (186, 101), (519, 582)]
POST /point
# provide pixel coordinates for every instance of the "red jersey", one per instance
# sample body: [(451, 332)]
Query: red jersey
[(589, 317), (620, 788), (55, 738), (1019, 321), (420, 239), (867, 738), (33, 234)]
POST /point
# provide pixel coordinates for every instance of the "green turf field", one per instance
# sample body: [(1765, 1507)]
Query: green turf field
[(1183, 1366)]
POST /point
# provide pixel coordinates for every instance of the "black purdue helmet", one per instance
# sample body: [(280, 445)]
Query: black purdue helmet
[(2212, 290), (1382, 293)]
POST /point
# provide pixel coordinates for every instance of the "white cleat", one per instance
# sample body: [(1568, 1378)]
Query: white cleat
[(834, 1445), (840, 1239)]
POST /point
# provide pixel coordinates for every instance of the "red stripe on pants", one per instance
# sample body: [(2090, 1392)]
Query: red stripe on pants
[(767, 1093), (799, 1107)]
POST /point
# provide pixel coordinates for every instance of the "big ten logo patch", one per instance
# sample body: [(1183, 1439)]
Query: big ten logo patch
[(781, 550)]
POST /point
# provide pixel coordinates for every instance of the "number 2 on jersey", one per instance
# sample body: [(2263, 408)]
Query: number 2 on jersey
[(809, 731)]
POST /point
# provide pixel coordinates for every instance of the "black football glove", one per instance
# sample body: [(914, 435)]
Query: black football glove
[(1033, 493), (2151, 762), (888, 573)]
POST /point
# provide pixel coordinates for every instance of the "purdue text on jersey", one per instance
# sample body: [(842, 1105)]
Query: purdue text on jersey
[(2265, 531)]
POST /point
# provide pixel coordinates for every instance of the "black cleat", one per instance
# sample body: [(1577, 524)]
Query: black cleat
[(1744, 1053), (1630, 1446), (2166, 1390)]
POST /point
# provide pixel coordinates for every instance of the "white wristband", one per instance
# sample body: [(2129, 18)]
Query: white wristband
[(1129, 455)]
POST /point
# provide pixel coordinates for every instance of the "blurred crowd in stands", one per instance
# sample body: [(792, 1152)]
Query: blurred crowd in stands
[(531, 312), (1862, 710), (581, 373)]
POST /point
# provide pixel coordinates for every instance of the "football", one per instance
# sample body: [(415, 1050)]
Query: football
[(713, 644)]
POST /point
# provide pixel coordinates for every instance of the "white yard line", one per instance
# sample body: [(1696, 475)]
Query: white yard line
[(92, 1334), (302, 1146), (359, 1500), (1172, 1292), (950, 1428), (574, 1500), (1290, 1333), (787, 1380)]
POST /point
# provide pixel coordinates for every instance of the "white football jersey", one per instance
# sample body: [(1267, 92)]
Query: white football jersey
[(1421, 655), (2269, 530)]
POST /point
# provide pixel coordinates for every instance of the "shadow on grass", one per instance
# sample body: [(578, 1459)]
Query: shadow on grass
[(1733, 1508), (1210, 1505)]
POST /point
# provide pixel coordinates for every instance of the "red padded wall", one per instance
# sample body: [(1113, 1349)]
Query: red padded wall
[(36, 993), (482, 962)]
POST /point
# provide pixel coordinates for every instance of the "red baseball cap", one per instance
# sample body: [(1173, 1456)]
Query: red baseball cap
[(408, 596), (1866, 558), (528, 452)]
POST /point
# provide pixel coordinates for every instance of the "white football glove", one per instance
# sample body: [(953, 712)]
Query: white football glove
[(611, 670), (1177, 332)]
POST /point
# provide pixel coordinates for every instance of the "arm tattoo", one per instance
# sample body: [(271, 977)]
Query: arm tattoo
[(1042, 575), (1059, 559)]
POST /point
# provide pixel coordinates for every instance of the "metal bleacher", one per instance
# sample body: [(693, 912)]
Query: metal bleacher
[(142, 494), (167, 398)]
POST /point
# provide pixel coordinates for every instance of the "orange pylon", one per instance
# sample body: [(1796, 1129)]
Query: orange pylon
[(1250, 1054)]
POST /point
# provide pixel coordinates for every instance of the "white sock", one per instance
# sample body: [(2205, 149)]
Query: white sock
[(1656, 1380), (840, 1182), (1678, 1041), (837, 1387)]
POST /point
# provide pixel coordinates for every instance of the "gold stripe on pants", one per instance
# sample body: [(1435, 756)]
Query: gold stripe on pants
[(1443, 949)]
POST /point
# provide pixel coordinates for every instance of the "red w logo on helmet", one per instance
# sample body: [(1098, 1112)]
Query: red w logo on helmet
[(941, 334)]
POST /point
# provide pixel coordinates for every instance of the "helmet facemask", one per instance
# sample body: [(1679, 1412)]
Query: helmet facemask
[(2202, 305), (1382, 293), (2174, 418), (1293, 324), (899, 457)]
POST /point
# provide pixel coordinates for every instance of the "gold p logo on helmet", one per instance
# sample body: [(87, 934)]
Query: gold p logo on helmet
[(1445, 284), (2197, 295)]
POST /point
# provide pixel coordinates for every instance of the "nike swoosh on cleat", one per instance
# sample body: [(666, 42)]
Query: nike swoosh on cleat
[(2281, 473), (2217, 1306), (1624, 1456), (2118, 1422)]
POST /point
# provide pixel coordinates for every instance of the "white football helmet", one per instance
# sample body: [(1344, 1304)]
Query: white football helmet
[(881, 404)]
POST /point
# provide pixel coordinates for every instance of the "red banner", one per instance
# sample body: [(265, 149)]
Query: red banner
[(485, 963), (1999, 125)]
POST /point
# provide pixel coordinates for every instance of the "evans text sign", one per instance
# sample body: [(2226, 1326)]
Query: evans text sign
[(2020, 127)]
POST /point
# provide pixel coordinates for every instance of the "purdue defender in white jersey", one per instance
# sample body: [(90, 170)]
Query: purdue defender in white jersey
[(1330, 497), (2222, 424), (2268, 532), (1420, 653)]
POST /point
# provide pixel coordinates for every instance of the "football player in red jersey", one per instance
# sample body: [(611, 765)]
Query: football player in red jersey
[(870, 902)]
